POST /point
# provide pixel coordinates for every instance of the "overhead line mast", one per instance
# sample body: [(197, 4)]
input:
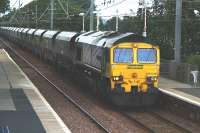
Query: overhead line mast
[(178, 31), (92, 15), (52, 14), (19, 4), (36, 14)]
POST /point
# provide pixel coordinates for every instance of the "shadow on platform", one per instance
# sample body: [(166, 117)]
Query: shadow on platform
[(22, 120)]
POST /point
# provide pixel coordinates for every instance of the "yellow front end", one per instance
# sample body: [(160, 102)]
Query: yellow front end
[(130, 74)]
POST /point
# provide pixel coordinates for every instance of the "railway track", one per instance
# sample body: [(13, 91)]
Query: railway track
[(168, 122), (147, 128), (136, 118), (85, 112), (108, 117), (153, 122)]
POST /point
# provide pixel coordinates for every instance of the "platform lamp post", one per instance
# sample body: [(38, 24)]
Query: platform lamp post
[(145, 22), (117, 21), (98, 19), (143, 6), (145, 18), (83, 21)]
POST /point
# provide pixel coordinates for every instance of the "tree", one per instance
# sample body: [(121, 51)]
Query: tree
[(4, 6), (26, 16), (191, 28), (161, 24)]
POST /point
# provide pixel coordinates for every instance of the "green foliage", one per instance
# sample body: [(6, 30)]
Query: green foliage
[(191, 28), (160, 22), (4, 5), (194, 60), (62, 21), (26, 16), (161, 26)]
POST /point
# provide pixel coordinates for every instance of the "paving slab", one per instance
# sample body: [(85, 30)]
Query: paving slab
[(22, 107), (182, 91)]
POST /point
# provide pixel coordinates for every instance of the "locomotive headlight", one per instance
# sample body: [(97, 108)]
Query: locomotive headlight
[(117, 78), (154, 78), (151, 79)]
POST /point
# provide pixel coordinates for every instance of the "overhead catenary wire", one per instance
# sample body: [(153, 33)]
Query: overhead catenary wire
[(13, 16), (120, 15), (65, 11), (44, 12)]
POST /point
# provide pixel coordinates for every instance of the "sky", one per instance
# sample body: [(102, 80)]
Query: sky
[(15, 3), (123, 6)]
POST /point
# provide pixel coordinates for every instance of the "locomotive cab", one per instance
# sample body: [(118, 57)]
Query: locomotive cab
[(134, 72)]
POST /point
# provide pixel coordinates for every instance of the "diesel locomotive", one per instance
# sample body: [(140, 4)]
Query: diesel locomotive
[(120, 66)]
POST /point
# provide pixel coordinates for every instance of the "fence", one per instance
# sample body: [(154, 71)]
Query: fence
[(180, 72)]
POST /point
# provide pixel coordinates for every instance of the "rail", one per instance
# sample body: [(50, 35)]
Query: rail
[(92, 118)]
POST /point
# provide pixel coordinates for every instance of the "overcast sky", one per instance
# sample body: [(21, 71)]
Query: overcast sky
[(123, 6), (15, 3)]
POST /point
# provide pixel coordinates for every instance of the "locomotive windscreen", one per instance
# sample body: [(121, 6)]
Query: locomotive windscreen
[(146, 55), (123, 55)]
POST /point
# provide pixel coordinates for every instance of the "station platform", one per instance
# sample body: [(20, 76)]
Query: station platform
[(22, 108), (181, 91)]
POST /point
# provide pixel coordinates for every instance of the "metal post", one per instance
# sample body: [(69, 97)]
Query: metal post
[(83, 22), (145, 19), (68, 9), (19, 9), (28, 18), (178, 31), (92, 15), (145, 22), (52, 14), (117, 21), (63, 8), (36, 14), (98, 19), (19, 4)]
